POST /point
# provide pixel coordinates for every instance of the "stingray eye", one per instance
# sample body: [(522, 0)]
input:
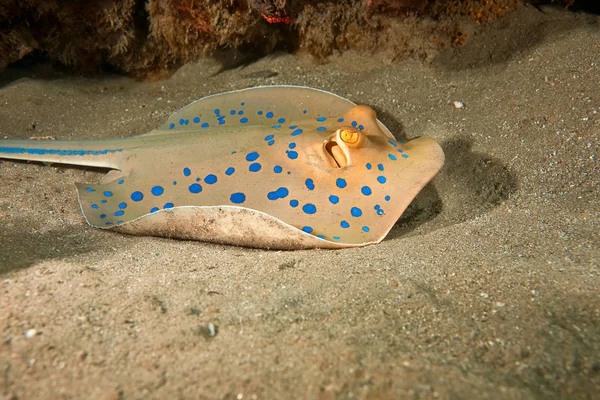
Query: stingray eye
[(350, 137)]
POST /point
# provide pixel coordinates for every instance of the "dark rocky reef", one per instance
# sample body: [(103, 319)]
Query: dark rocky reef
[(149, 38)]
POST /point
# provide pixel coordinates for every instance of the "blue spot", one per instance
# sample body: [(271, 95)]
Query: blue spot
[(241, 112), (197, 179), (309, 208), (294, 203), (108, 223), (187, 172), (195, 188), (260, 113), (280, 193), (354, 124), (334, 199), (252, 156), (276, 126), (181, 121), (233, 152), (356, 212), (292, 145), (102, 216), (229, 171), (405, 155), (321, 128), (341, 183), (340, 119), (119, 213), (297, 132), (277, 169), (171, 125), (217, 111), (269, 114), (137, 196), (154, 209), (204, 125), (381, 179), (94, 206), (90, 190), (120, 221), (187, 121), (360, 127), (366, 190), (336, 238), (174, 183), (387, 198), (122, 205), (310, 184), (400, 151), (196, 120), (157, 190), (244, 120), (321, 119), (377, 206), (292, 154), (269, 137), (108, 193), (271, 142), (168, 205), (254, 167), (380, 167), (365, 229), (242, 103), (103, 201), (380, 211), (232, 112), (293, 126), (281, 120), (221, 122), (304, 112), (237, 198), (210, 179), (345, 224), (321, 236), (392, 157), (392, 143), (369, 166), (307, 229), (121, 181)]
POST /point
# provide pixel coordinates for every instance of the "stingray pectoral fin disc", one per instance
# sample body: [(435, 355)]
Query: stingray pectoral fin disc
[(226, 225)]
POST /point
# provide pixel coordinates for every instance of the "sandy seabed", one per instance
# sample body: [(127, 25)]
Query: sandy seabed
[(487, 287)]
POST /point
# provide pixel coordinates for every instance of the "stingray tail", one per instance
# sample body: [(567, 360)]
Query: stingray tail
[(92, 153)]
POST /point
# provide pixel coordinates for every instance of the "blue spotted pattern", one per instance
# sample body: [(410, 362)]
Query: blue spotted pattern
[(137, 196), (157, 190), (237, 198), (195, 188), (341, 183), (309, 208), (280, 193), (210, 179)]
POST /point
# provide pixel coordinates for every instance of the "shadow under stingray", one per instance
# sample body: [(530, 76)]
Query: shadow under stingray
[(471, 184), (21, 246)]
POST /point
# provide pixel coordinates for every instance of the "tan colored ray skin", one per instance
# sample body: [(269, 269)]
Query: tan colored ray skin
[(160, 156), (201, 217)]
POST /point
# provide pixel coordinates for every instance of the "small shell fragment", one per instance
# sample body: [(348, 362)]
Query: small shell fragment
[(459, 104)]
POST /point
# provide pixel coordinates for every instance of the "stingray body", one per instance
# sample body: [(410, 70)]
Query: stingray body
[(275, 167)]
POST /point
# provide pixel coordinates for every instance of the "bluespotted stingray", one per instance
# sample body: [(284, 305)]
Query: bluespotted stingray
[(282, 167)]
